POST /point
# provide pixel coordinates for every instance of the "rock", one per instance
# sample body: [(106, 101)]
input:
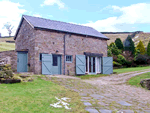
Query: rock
[(91, 110), (24, 76), (105, 111), (145, 83), (124, 103), (87, 104)]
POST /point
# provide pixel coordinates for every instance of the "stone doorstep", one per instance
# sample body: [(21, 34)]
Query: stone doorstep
[(91, 110), (25, 73)]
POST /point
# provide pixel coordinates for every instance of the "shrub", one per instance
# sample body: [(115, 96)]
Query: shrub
[(114, 50), (109, 53), (9, 73), (2, 74), (121, 59), (116, 64), (142, 59), (119, 44), (141, 47), (148, 49)]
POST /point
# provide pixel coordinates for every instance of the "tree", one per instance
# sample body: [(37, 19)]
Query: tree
[(9, 27), (119, 44), (148, 49), (112, 49), (129, 45), (141, 47)]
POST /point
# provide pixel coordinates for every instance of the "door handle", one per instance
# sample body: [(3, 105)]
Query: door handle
[(18, 60)]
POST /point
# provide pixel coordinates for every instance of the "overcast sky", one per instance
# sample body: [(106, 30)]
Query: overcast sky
[(106, 15)]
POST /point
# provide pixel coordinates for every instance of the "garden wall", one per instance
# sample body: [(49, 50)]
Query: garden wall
[(11, 58)]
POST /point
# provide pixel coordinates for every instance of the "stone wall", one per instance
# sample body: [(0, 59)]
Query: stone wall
[(25, 42), (50, 41), (12, 55), (41, 41)]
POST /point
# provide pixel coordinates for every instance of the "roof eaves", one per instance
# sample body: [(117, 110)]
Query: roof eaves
[(36, 27)]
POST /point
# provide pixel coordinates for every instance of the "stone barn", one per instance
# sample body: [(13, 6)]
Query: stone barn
[(49, 47)]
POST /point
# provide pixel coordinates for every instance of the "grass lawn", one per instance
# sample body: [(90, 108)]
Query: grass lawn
[(91, 76), (6, 46), (36, 97), (130, 69), (136, 80)]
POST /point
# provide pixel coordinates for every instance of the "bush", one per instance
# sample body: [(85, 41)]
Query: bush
[(109, 53), (121, 59), (142, 59), (2, 74), (148, 49), (9, 73), (141, 47), (116, 64), (114, 50)]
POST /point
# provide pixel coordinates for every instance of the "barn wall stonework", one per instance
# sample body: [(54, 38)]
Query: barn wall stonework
[(13, 58), (38, 41), (25, 41), (50, 41)]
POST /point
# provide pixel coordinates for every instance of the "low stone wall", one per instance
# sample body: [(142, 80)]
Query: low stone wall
[(12, 56)]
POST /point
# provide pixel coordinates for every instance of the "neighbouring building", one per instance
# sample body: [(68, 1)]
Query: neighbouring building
[(52, 47)]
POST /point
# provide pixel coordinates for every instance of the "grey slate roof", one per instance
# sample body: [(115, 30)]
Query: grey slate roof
[(37, 22)]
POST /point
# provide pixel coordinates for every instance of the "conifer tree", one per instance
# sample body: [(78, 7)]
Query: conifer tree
[(141, 47), (148, 49), (129, 44), (119, 44)]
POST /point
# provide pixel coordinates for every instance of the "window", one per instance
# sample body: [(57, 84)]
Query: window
[(69, 58), (40, 56), (54, 60)]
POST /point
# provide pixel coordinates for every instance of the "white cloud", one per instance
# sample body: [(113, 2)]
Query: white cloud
[(10, 12), (52, 2), (37, 15), (133, 14)]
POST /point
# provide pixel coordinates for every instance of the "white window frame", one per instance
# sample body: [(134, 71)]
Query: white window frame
[(98, 70), (71, 59)]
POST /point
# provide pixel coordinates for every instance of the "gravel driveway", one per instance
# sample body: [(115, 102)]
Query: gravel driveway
[(110, 94)]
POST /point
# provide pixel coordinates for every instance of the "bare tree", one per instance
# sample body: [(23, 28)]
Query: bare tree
[(9, 27)]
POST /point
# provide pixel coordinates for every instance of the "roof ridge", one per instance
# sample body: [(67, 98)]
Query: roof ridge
[(58, 21)]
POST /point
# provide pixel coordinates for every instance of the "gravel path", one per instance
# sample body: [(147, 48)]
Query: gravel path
[(109, 94)]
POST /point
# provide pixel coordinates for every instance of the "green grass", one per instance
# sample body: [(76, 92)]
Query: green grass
[(36, 97), (125, 70), (6, 46), (136, 80), (91, 76)]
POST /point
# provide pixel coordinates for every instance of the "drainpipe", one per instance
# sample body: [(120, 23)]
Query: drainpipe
[(64, 51)]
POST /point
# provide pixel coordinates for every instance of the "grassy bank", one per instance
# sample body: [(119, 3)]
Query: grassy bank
[(6, 46), (136, 80), (130, 69), (36, 97)]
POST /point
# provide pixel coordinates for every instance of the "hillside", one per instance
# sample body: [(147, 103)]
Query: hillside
[(113, 37), (5, 45), (136, 36)]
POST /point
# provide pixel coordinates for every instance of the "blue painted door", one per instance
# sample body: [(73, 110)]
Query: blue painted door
[(107, 65), (46, 64), (80, 64), (56, 64), (22, 61)]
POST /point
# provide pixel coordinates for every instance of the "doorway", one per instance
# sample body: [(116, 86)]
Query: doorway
[(56, 64)]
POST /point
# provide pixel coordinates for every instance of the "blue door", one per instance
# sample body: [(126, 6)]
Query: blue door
[(46, 64), (56, 64), (80, 64), (107, 65), (22, 61)]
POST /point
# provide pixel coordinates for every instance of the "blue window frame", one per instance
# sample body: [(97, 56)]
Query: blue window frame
[(69, 58)]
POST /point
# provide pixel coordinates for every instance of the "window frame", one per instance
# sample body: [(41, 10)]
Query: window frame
[(71, 58)]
